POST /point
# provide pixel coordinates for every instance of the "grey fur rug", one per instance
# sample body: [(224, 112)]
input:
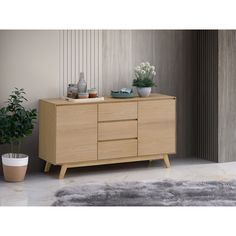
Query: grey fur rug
[(162, 193)]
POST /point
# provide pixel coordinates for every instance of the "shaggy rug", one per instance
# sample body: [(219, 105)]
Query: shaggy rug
[(162, 193)]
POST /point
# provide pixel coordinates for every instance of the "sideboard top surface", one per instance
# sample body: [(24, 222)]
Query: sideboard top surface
[(153, 96)]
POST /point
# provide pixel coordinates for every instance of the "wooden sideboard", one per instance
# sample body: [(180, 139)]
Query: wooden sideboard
[(106, 132)]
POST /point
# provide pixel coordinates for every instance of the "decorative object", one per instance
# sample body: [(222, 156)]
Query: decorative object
[(144, 92), (107, 132), (92, 93), (82, 85), (83, 95), (160, 193), (72, 91), (144, 81), (16, 122), (122, 93)]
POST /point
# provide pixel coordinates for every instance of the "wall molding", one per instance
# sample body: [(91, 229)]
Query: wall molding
[(80, 51)]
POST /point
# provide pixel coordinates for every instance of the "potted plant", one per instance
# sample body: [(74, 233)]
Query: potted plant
[(144, 81), (16, 122)]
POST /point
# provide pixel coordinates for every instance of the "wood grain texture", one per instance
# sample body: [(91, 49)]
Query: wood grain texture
[(156, 127), (117, 149), (117, 111), (227, 95), (47, 131), (109, 99), (117, 130), (76, 133), (115, 160)]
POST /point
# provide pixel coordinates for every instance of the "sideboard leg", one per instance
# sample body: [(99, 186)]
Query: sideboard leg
[(47, 167), (62, 172), (166, 160)]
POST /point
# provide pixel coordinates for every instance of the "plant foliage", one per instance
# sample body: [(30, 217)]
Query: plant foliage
[(16, 122), (146, 82), (144, 74)]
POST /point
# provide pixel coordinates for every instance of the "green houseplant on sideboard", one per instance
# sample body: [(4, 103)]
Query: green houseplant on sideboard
[(16, 122), (144, 81)]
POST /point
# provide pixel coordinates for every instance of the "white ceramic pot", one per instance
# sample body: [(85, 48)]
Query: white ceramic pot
[(14, 169), (144, 92)]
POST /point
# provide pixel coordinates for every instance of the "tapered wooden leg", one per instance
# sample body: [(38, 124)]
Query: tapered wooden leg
[(47, 167), (166, 161), (62, 172)]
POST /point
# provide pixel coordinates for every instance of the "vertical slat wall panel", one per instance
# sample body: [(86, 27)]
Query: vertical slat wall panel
[(206, 95), (80, 51)]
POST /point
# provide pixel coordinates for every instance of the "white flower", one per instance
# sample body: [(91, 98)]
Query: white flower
[(142, 64), (144, 69)]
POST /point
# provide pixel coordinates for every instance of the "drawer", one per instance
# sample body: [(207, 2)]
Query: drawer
[(117, 130), (117, 149), (117, 111)]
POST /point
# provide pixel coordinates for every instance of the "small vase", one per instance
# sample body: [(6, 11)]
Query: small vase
[(144, 92), (82, 85)]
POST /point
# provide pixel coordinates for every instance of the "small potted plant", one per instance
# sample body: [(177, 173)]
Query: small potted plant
[(144, 81), (16, 122)]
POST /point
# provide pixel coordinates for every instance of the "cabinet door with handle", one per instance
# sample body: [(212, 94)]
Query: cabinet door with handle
[(76, 138), (156, 127)]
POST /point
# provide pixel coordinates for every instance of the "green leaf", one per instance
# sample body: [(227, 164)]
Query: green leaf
[(16, 122)]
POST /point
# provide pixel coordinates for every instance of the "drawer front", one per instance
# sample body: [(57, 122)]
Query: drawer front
[(117, 130), (117, 149), (117, 111)]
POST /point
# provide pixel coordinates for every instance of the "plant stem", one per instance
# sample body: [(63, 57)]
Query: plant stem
[(11, 143), (19, 148)]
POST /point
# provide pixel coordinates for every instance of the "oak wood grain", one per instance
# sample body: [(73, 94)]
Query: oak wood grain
[(117, 149), (117, 111), (76, 133), (117, 130), (156, 127)]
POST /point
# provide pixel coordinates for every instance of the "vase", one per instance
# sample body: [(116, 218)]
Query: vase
[(82, 85), (14, 169), (144, 92)]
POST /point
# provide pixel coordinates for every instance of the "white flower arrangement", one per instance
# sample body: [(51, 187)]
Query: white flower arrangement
[(144, 70), (144, 74)]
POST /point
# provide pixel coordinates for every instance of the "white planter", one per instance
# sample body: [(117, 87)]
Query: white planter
[(144, 92), (14, 169)]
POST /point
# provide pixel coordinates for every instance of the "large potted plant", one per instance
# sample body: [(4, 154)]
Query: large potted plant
[(16, 122), (144, 80)]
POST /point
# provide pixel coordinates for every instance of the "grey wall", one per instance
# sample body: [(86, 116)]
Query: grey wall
[(227, 95), (171, 53), (29, 59)]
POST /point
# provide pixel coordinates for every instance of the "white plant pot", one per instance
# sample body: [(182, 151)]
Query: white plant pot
[(14, 169), (144, 92)]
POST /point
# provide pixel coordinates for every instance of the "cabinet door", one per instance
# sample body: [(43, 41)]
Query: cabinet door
[(76, 138), (156, 127)]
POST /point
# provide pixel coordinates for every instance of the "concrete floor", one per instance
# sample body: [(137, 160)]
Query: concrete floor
[(39, 189)]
